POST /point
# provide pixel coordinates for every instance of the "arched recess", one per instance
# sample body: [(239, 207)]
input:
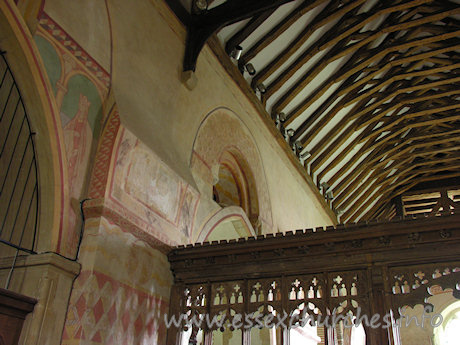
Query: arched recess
[(235, 184), (228, 170), (231, 220), (29, 73)]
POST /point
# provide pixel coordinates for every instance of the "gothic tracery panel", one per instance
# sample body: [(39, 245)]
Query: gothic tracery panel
[(412, 285)]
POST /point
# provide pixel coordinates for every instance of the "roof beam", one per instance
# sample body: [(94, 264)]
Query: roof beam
[(203, 25), (356, 210), (277, 30), (244, 33), (337, 52)]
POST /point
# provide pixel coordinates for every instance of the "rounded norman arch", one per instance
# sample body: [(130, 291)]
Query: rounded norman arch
[(447, 331), (227, 167), (233, 216), (30, 76), (235, 185)]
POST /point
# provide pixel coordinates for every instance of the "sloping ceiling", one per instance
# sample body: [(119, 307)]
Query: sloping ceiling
[(366, 93)]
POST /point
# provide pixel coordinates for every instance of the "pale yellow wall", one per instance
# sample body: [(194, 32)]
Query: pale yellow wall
[(87, 22), (148, 47), (141, 44)]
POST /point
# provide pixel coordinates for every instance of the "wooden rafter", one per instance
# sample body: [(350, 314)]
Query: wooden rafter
[(385, 197), (338, 52), (369, 165), (386, 117), (204, 24), (359, 207), (244, 33), (278, 29)]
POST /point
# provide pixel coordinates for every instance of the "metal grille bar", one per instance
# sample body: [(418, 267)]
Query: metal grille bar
[(19, 190)]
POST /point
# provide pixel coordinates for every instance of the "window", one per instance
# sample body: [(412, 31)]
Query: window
[(448, 332)]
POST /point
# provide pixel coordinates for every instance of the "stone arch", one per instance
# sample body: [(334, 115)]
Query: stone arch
[(447, 312), (223, 144), (39, 101), (236, 184), (230, 214)]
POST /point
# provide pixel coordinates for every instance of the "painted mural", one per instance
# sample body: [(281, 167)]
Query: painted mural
[(51, 60), (162, 193), (80, 115), (220, 134), (78, 95), (151, 192)]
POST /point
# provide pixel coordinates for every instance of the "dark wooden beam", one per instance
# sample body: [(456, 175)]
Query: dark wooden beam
[(181, 13), (278, 29), (203, 25), (451, 183), (236, 259), (390, 193), (425, 175), (350, 48), (327, 15), (244, 33)]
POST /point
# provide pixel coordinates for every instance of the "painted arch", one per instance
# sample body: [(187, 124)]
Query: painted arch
[(226, 160), (39, 101)]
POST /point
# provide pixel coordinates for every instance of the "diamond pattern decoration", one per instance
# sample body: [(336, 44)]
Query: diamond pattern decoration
[(104, 153), (72, 47), (105, 311)]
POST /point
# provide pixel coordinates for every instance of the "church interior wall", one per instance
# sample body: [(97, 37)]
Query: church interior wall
[(116, 125), (124, 138), (122, 292), (147, 50)]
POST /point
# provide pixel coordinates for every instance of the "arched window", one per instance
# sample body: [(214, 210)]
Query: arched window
[(448, 332), (235, 186), (228, 189)]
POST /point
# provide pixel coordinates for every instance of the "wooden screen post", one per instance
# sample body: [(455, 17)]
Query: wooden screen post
[(377, 335), (246, 334), (175, 310)]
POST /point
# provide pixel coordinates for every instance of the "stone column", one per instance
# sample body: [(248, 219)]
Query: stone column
[(48, 278)]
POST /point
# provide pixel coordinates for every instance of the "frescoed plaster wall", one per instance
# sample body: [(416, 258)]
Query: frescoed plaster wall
[(150, 109), (146, 82), (121, 294), (79, 93), (141, 153), (223, 140), (144, 186)]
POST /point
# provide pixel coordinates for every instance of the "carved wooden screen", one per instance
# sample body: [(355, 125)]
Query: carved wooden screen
[(365, 269), (313, 294), (411, 285)]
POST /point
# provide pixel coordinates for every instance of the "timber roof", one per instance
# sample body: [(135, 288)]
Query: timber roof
[(366, 93)]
